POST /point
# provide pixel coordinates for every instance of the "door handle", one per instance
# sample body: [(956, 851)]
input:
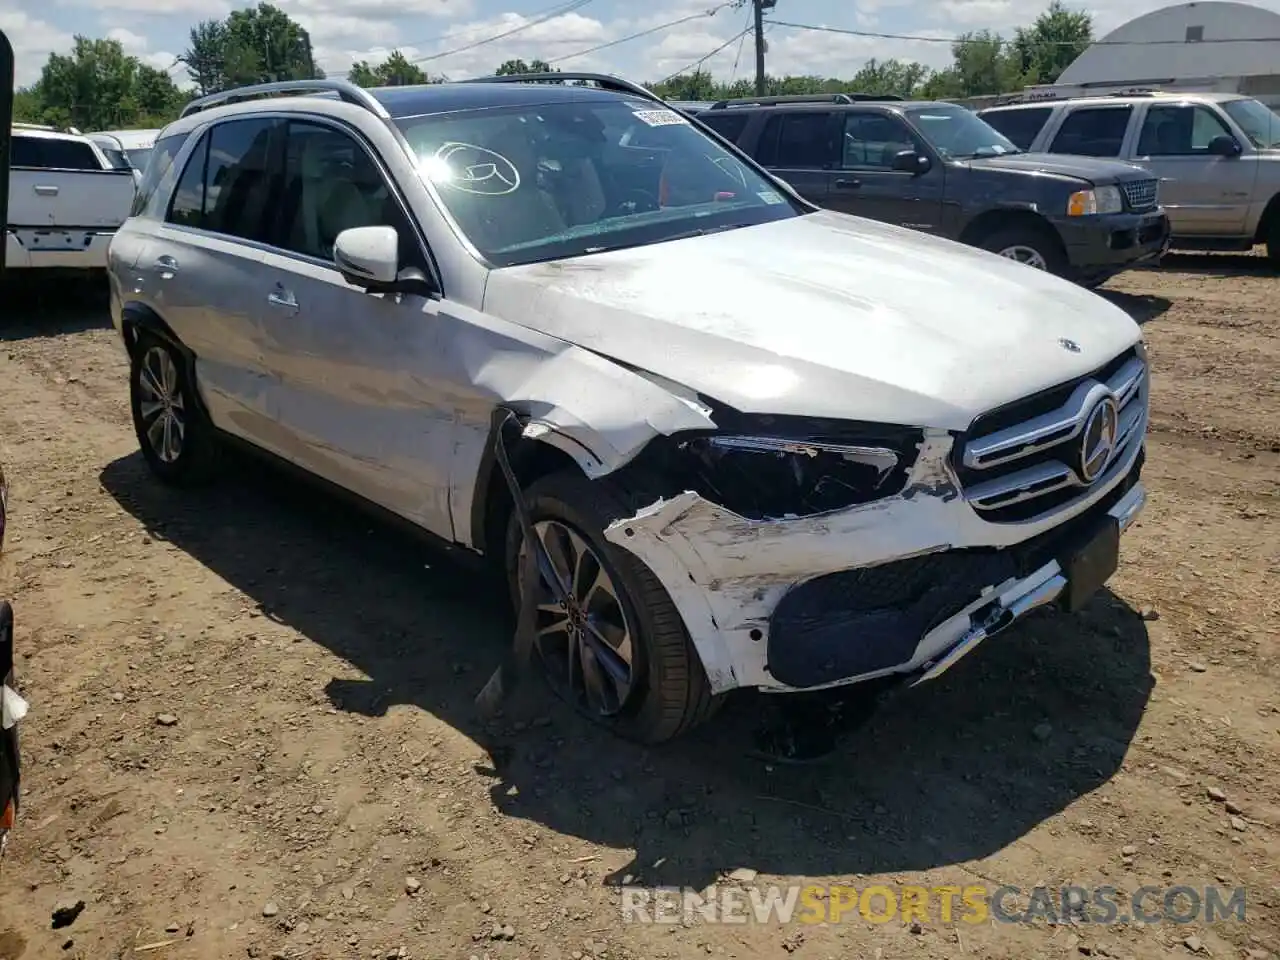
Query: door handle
[(167, 266), (848, 184), (45, 190), (282, 298)]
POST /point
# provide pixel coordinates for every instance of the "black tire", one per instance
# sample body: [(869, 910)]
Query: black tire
[(196, 457), (1039, 239), (1273, 240), (670, 694)]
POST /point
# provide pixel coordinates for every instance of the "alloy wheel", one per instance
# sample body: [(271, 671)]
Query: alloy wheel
[(160, 404), (1024, 254)]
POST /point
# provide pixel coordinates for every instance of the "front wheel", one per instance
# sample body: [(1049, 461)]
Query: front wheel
[(176, 438), (1033, 247), (609, 641)]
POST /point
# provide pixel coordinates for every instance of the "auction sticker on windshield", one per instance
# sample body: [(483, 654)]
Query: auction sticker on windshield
[(658, 118)]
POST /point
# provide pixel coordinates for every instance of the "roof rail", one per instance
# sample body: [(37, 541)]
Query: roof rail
[(606, 82), (346, 91), (44, 126), (803, 98)]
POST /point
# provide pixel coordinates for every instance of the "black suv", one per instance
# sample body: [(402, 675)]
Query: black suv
[(940, 168)]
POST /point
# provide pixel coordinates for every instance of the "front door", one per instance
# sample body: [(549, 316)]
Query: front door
[(866, 184), (1204, 194)]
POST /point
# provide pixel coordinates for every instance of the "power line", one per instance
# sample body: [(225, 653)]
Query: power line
[(1052, 43), (644, 33), (737, 57), (559, 12), (555, 11), (699, 62)]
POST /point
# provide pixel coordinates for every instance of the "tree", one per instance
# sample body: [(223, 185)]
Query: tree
[(395, 71), (514, 67), (258, 44), (99, 87), (1052, 43), (895, 77)]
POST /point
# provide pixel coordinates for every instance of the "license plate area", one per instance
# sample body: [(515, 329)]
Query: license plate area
[(1090, 565)]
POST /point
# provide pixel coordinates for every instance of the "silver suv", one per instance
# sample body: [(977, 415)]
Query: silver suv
[(760, 444), (1217, 156)]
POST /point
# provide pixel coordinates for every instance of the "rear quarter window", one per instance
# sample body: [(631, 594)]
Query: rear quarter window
[(1021, 126)]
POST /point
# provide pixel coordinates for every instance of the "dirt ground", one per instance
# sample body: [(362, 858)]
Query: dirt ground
[(252, 735)]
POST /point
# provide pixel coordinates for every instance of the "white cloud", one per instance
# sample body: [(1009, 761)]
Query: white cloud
[(133, 43), (204, 9), (33, 40)]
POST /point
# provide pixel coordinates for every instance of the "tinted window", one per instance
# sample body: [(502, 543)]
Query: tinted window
[(728, 125), (573, 177), (47, 153), (187, 207), (331, 184), (1093, 132), (1260, 123), (238, 190), (873, 139), (803, 140), (115, 158), (164, 152), (1170, 131), (1019, 126)]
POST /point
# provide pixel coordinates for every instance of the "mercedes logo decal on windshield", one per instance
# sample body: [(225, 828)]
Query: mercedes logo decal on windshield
[(472, 169), (1098, 441), (1071, 345)]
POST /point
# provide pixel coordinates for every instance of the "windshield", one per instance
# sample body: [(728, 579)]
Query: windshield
[(1260, 123), (138, 158), (959, 134), (115, 157), (543, 182)]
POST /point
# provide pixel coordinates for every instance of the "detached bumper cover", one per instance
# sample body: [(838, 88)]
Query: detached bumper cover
[(1112, 242)]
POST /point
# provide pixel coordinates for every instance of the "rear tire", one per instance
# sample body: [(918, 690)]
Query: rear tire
[(667, 690), (1273, 240), (177, 440), (1034, 246)]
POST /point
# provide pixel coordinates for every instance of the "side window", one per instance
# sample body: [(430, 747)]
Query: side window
[(69, 155), (799, 141), (187, 206), (26, 152), (873, 139), (1020, 125), (1093, 132), (728, 125), (162, 159), (1185, 131), (239, 199), (331, 184)]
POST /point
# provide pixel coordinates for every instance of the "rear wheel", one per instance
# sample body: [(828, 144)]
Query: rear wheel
[(1273, 241), (614, 647), (1029, 245), (176, 438)]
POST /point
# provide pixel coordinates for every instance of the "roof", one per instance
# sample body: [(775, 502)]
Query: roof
[(1121, 99), (402, 102), (1201, 39)]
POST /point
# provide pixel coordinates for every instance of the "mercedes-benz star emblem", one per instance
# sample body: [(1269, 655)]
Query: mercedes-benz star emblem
[(1071, 345), (1098, 441)]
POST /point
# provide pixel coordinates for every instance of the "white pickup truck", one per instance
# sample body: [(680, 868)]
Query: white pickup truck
[(65, 202)]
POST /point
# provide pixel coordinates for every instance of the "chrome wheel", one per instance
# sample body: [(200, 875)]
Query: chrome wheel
[(1024, 254), (583, 637), (160, 404)]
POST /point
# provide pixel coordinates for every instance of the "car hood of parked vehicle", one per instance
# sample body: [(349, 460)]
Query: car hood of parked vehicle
[(824, 315), (1090, 169)]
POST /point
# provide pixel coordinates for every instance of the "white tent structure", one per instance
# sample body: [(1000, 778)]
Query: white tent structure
[(1203, 46)]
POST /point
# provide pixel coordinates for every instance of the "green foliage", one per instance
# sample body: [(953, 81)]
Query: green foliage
[(514, 67), (395, 71), (255, 45)]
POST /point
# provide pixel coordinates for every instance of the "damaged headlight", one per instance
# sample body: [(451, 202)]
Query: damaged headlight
[(774, 477)]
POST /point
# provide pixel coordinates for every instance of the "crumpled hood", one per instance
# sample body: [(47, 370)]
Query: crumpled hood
[(1095, 171), (824, 315)]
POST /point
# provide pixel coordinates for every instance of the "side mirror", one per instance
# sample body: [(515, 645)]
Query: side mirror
[(908, 161), (1225, 145), (368, 257)]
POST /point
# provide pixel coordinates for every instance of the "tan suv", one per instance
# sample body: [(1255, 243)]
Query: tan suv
[(1217, 156)]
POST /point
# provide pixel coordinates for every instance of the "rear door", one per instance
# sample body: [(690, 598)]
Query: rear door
[(802, 147), (1204, 195), (866, 184)]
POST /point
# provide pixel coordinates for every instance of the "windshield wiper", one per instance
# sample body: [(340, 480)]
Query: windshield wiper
[(697, 232)]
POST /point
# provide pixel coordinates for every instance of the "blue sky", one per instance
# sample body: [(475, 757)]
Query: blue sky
[(346, 30)]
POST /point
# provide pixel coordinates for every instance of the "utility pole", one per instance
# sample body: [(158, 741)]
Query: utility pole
[(760, 6)]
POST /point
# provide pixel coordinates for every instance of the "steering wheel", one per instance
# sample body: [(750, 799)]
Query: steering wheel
[(635, 200)]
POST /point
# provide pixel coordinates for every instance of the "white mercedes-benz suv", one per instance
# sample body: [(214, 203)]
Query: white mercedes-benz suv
[(762, 445)]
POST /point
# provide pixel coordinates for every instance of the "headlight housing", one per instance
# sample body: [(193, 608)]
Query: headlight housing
[(1099, 200), (772, 468)]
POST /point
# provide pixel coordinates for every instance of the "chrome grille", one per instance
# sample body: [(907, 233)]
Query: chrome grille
[(1040, 455), (1140, 195)]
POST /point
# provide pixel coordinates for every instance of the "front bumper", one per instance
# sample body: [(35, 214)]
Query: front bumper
[(887, 588), (1107, 244)]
